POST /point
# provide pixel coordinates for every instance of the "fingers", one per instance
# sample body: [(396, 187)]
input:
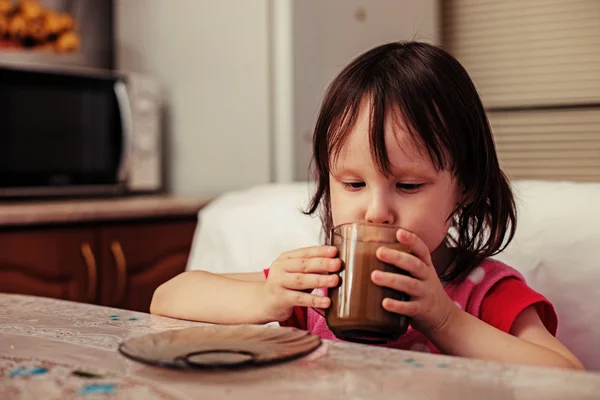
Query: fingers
[(302, 299), (408, 308), (310, 252), (398, 282), (311, 265), (405, 261), (417, 246), (298, 281)]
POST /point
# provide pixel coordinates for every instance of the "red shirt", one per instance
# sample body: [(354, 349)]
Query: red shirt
[(508, 298)]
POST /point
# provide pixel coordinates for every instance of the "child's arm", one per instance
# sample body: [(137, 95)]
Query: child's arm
[(247, 276), (203, 296), (529, 341), (249, 298), (453, 330)]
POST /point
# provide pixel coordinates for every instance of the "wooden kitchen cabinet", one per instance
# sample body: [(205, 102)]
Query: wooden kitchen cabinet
[(137, 258), (113, 252), (50, 262), (118, 265)]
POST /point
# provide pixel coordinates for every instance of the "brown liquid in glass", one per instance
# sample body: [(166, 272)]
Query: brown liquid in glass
[(356, 313)]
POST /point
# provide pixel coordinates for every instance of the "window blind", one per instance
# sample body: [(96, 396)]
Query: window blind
[(536, 65)]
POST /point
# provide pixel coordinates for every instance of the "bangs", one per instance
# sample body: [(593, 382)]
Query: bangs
[(390, 95)]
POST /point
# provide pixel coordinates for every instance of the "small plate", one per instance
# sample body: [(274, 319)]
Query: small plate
[(220, 346)]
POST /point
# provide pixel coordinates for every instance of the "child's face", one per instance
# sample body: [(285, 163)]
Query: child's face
[(417, 198)]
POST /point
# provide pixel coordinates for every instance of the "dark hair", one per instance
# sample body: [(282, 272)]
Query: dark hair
[(434, 95)]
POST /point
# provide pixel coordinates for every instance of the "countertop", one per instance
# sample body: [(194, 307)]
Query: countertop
[(54, 349), (26, 213)]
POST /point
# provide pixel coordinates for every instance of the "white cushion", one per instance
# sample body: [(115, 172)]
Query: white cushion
[(556, 247), (246, 230)]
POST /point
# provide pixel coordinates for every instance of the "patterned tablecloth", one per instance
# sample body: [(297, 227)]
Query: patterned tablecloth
[(52, 349)]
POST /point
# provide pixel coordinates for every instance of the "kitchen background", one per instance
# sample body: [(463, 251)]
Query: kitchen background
[(243, 80)]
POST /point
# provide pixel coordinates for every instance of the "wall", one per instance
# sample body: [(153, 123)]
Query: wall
[(237, 72), (327, 35), (212, 58)]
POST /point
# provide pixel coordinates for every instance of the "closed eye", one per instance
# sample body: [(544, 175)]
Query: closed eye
[(354, 185), (409, 187)]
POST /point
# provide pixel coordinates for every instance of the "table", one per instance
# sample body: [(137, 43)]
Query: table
[(54, 349)]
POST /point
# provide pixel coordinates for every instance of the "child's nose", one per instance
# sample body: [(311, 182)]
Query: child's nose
[(379, 213)]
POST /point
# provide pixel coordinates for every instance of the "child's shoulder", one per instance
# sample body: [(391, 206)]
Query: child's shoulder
[(479, 282), (491, 270), (497, 293)]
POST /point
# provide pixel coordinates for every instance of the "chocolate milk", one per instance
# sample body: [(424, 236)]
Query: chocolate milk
[(356, 313)]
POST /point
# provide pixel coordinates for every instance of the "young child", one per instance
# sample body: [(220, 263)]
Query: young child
[(402, 139)]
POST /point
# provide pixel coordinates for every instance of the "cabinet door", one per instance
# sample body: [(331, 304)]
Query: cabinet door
[(53, 262), (138, 257)]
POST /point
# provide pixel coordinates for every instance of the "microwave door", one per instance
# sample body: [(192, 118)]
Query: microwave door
[(62, 134)]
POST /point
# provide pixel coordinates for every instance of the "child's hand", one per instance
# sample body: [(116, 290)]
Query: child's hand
[(429, 306), (294, 274)]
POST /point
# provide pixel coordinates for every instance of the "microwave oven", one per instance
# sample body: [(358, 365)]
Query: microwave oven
[(78, 132)]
